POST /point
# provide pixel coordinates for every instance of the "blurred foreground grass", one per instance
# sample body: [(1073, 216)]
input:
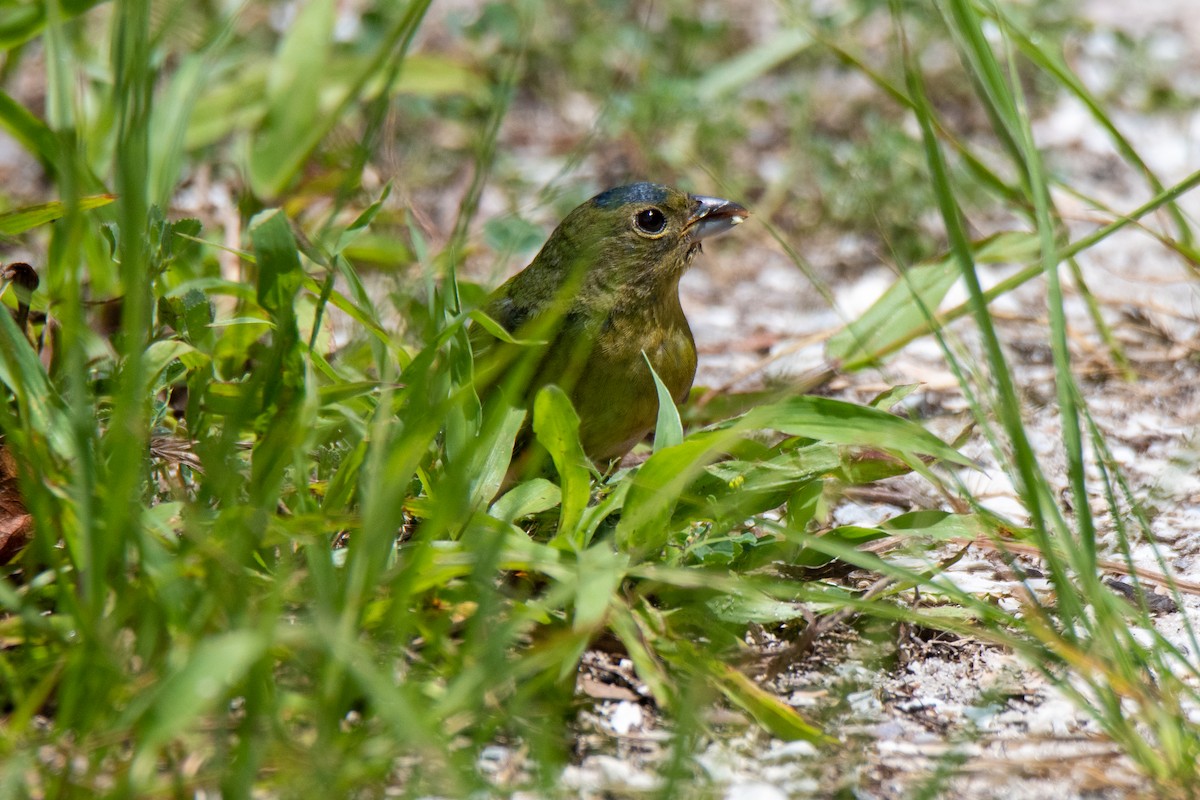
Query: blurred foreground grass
[(192, 441)]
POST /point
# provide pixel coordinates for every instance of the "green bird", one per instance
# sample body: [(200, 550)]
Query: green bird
[(603, 291)]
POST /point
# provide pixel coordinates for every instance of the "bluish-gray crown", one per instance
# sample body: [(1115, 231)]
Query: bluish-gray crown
[(633, 193)]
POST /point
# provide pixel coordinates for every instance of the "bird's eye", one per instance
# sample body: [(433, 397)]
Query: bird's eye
[(651, 220)]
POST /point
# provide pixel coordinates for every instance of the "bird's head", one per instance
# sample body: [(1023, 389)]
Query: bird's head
[(640, 237)]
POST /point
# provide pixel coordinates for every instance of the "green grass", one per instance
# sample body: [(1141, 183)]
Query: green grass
[(186, 623)]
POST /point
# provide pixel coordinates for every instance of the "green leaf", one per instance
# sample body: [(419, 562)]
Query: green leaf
[(888, 398), (160, 354), (288, 402), (309, 93), (294, 123), (22, 219), (601, 571), (279, 273), (734, 490), (818, 550), (657, 485), (39, 403), (775, 716), (668, 431), (938, 524), (490, 459), (435, 75), (906, 305), (526, 498), (557, 428), (750, 606), (839, 422), (380, 251), (496, 330), (344, 484)]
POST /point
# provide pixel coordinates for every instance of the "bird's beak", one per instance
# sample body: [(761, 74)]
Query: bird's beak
[(713, 216)]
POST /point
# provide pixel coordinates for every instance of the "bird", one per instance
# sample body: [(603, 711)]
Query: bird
[(602, 298)]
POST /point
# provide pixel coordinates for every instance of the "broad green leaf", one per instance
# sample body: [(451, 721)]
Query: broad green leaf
[(739, 489), (938, 524), (782, 472), (20, 23), (161, 353), (526, 498), (279, 272), (601, 571), (490, 459), (750, 606), (838, 422), (302, 67), (806, 505), (435, 75), (557, 428), (668, 431), (657, 486), (293, 124), (906, 305), (667, 475), (837, 543), (237, 101)]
